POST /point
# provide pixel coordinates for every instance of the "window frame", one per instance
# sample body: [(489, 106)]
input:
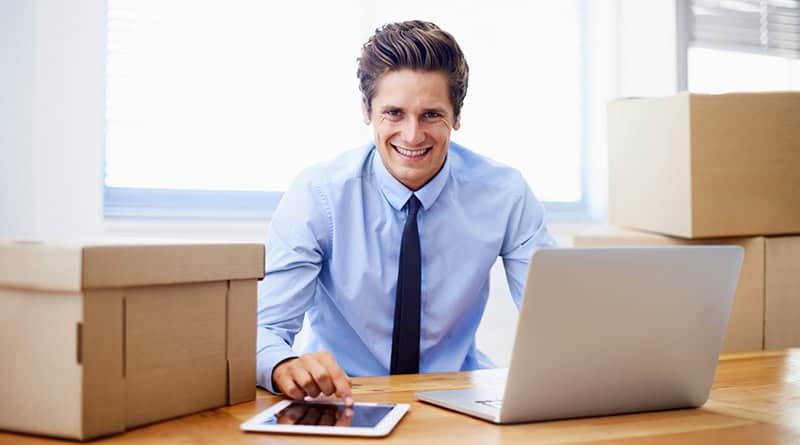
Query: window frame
[(230, 205), (174, 204)]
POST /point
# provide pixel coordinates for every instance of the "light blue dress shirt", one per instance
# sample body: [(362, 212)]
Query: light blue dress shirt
[(333, 249)]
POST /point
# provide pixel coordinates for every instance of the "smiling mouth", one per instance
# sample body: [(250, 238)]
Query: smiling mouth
[(411, 153)]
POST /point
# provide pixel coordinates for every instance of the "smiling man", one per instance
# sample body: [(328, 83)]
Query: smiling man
[(388, 248)]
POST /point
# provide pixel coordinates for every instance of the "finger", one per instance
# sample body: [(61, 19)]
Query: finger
[(345, 417), (321, 375), (289, 388), (312, 416), (283, 381), (341, 382), (305, 381)]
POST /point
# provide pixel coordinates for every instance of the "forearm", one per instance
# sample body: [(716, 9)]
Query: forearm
[(272, 349)]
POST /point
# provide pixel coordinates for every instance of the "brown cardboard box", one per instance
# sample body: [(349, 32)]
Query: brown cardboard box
[(766, 307), (704, 166), (98, 339), (782, 293)]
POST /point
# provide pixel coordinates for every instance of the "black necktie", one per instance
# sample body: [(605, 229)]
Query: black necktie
[(405, 337)]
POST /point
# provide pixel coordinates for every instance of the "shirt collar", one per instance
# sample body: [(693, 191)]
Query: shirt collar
[(398, 194)]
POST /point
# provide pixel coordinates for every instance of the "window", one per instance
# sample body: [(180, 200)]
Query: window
[(743, 45), (718, 71), (214, 107)]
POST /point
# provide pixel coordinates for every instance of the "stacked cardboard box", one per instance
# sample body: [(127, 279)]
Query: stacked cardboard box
[(97, 339), (715, 169)]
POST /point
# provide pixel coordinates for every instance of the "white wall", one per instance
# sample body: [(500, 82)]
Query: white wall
[(647, 49), (52, 113), (601, 79), (16, 130)]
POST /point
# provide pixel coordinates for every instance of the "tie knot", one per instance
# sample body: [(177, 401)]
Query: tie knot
[(413, 205)]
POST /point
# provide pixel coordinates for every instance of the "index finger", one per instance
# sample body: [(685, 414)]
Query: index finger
[(340, 380)]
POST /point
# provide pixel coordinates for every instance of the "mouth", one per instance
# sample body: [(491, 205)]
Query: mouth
[(411, 154)]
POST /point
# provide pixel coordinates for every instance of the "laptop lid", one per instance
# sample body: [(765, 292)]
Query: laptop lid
[(614, 330)]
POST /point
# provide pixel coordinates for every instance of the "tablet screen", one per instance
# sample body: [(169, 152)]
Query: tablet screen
[(323, 414)]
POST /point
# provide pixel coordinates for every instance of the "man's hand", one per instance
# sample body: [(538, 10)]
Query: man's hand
[(311, 375)]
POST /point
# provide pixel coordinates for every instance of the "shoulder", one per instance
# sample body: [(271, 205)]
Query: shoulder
[(310, 199), (470, 167), (351, 165)]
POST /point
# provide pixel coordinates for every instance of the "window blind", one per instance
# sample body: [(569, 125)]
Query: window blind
[(770, 27)]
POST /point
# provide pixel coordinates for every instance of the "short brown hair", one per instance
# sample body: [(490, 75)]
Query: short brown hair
[(416, 45)]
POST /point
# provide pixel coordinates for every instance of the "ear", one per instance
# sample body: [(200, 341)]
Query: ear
[(457, 123), (365, 112)]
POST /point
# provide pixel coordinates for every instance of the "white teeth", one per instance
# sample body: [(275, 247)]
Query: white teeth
[(412, 153)]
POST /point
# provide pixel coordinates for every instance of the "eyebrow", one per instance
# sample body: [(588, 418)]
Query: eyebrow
[(441, 111), (436, 110)]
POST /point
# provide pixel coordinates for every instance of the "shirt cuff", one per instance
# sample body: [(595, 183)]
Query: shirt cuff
[(266, 362)]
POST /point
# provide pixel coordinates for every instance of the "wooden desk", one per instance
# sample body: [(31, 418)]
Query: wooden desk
[(755, 400)]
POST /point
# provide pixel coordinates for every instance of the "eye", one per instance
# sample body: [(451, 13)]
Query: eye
[(393, 114), (432, 115)]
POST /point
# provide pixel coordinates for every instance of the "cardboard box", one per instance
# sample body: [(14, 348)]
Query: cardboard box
[(704, 166), (782, 293), (98, 339)]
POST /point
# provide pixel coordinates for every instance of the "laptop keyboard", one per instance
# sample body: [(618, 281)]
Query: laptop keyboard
[(497, 403)]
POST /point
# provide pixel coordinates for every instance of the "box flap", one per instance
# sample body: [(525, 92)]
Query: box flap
[(36, 265), (46, 266), (241, 340), (136, 265), (102, 349), (40, 368), (650, 98), (782, 293), (241, 380)]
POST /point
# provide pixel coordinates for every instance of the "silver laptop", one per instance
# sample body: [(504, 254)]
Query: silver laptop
[(605, 331)]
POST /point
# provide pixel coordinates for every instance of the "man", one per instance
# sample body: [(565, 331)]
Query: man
[(388, 248)]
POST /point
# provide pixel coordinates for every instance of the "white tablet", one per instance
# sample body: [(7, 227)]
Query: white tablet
[(328, 418)]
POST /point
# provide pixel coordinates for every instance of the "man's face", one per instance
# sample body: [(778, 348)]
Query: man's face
[(412, 116)]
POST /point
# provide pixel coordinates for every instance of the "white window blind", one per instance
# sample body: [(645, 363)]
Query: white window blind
[(742, 45), (769, 27), (241, 95)]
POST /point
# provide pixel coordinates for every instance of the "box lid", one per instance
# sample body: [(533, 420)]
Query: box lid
[(757, 95), (46, 266)]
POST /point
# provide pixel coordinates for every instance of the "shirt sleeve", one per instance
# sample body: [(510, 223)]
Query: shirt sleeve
[(297, 240), (526, 232)]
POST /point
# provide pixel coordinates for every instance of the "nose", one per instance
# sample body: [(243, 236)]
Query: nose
[(412, 133)]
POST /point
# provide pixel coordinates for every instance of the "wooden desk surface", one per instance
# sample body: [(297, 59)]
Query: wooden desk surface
[(755, 399)]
